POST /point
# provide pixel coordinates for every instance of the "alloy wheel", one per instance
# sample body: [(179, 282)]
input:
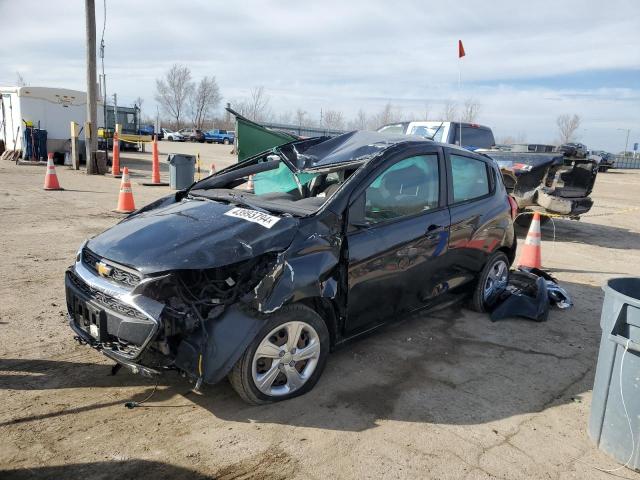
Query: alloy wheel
[(286, 358), (496, 279)]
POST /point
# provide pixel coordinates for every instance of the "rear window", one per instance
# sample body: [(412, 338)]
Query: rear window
[(474, 137), (396, 129)]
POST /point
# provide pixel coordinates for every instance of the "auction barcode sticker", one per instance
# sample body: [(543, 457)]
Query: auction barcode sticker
[(254, 216)]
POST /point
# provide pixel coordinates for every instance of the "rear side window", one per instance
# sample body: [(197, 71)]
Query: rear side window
[(473, 137), (470, 178), (408, 187)]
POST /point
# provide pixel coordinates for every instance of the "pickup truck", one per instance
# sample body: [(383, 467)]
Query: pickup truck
[(474, 136), (220, 136)]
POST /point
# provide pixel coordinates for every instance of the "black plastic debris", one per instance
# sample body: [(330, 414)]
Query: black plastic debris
[(529, 293)]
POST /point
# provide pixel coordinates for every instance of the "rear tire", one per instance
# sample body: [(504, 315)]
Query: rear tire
[(496, 263), (275, 337), (226, 141)]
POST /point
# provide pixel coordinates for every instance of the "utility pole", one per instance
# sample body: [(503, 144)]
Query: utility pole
[(626, 143), (92, 114), (115, 113)]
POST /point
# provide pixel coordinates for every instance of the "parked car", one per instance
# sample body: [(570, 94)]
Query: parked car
[(146, 130), (220, 136), (336, 237), (578, 150), (473, 136), (606, 159), (172, 136), (193, 134)]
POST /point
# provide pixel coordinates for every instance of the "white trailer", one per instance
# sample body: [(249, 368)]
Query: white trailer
[(50, 109)]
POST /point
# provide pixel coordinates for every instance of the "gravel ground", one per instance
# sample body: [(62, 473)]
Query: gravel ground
[(444, 394)]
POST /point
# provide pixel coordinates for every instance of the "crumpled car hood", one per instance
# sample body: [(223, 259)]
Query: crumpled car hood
[(190, 234)]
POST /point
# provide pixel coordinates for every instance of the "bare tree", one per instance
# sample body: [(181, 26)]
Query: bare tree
[(449, 111), (173, 91), (427, 111), (300, 117), (20, 81), (388, 114), (359, 122), (138, 102), (505, 140), (202, 99), (256, 107), (567, 126), (333, 119), (285, 117), (470, 111)]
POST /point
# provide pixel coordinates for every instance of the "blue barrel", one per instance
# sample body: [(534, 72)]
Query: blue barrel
[(615, 407)]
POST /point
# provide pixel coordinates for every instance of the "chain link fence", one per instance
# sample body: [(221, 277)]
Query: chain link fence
[(621, 161)]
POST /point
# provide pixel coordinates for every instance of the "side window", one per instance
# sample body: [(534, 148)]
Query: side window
[(470, 178), (407, 187)]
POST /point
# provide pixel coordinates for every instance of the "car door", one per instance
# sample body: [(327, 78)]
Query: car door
[(398, 235), (474, 210)]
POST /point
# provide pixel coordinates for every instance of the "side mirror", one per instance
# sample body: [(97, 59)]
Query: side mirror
[(356, 213)]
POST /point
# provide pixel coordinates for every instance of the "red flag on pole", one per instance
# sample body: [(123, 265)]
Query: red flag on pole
[(460, 49)]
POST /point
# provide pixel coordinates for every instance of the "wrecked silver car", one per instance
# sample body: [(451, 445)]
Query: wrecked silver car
[(548, 182), (258, 271)]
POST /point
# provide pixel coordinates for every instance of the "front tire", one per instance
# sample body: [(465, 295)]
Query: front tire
[(494, 276), (285, 359), (226, 141)]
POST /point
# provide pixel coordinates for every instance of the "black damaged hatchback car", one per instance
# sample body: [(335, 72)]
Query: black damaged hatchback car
[(259, 271)]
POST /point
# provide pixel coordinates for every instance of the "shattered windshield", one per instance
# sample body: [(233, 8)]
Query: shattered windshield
[(298, 177)]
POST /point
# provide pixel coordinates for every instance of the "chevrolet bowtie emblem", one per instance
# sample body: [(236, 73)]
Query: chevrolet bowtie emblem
[(104, 270)]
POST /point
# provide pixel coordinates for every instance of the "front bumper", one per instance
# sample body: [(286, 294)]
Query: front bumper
[(118, 321)]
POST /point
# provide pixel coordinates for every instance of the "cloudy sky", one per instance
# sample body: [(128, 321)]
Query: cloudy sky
[(526, 63)]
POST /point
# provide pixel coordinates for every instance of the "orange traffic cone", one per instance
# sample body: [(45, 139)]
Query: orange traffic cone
[(125, 199), (115, 166), (531, 255), (50, 178), (212, 170), (155, 166)]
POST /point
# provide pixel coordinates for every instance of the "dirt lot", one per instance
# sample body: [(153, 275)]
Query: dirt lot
[(446, 394)]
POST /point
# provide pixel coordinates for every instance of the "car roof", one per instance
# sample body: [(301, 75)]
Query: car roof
[(353, 147), (356, 146)]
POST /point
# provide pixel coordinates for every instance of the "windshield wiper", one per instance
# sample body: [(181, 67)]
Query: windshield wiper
[(231, 197), (436, 132)]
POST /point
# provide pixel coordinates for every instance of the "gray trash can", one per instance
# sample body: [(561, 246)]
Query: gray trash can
[(620, 323), (181, 170)]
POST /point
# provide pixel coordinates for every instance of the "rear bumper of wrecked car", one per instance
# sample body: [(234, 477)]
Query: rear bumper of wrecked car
[(564, 205)]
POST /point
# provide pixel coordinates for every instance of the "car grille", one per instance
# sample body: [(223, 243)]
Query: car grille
[(118, 275), (106, 300)]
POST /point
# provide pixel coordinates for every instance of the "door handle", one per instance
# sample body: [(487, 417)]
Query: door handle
[(433, 231)]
